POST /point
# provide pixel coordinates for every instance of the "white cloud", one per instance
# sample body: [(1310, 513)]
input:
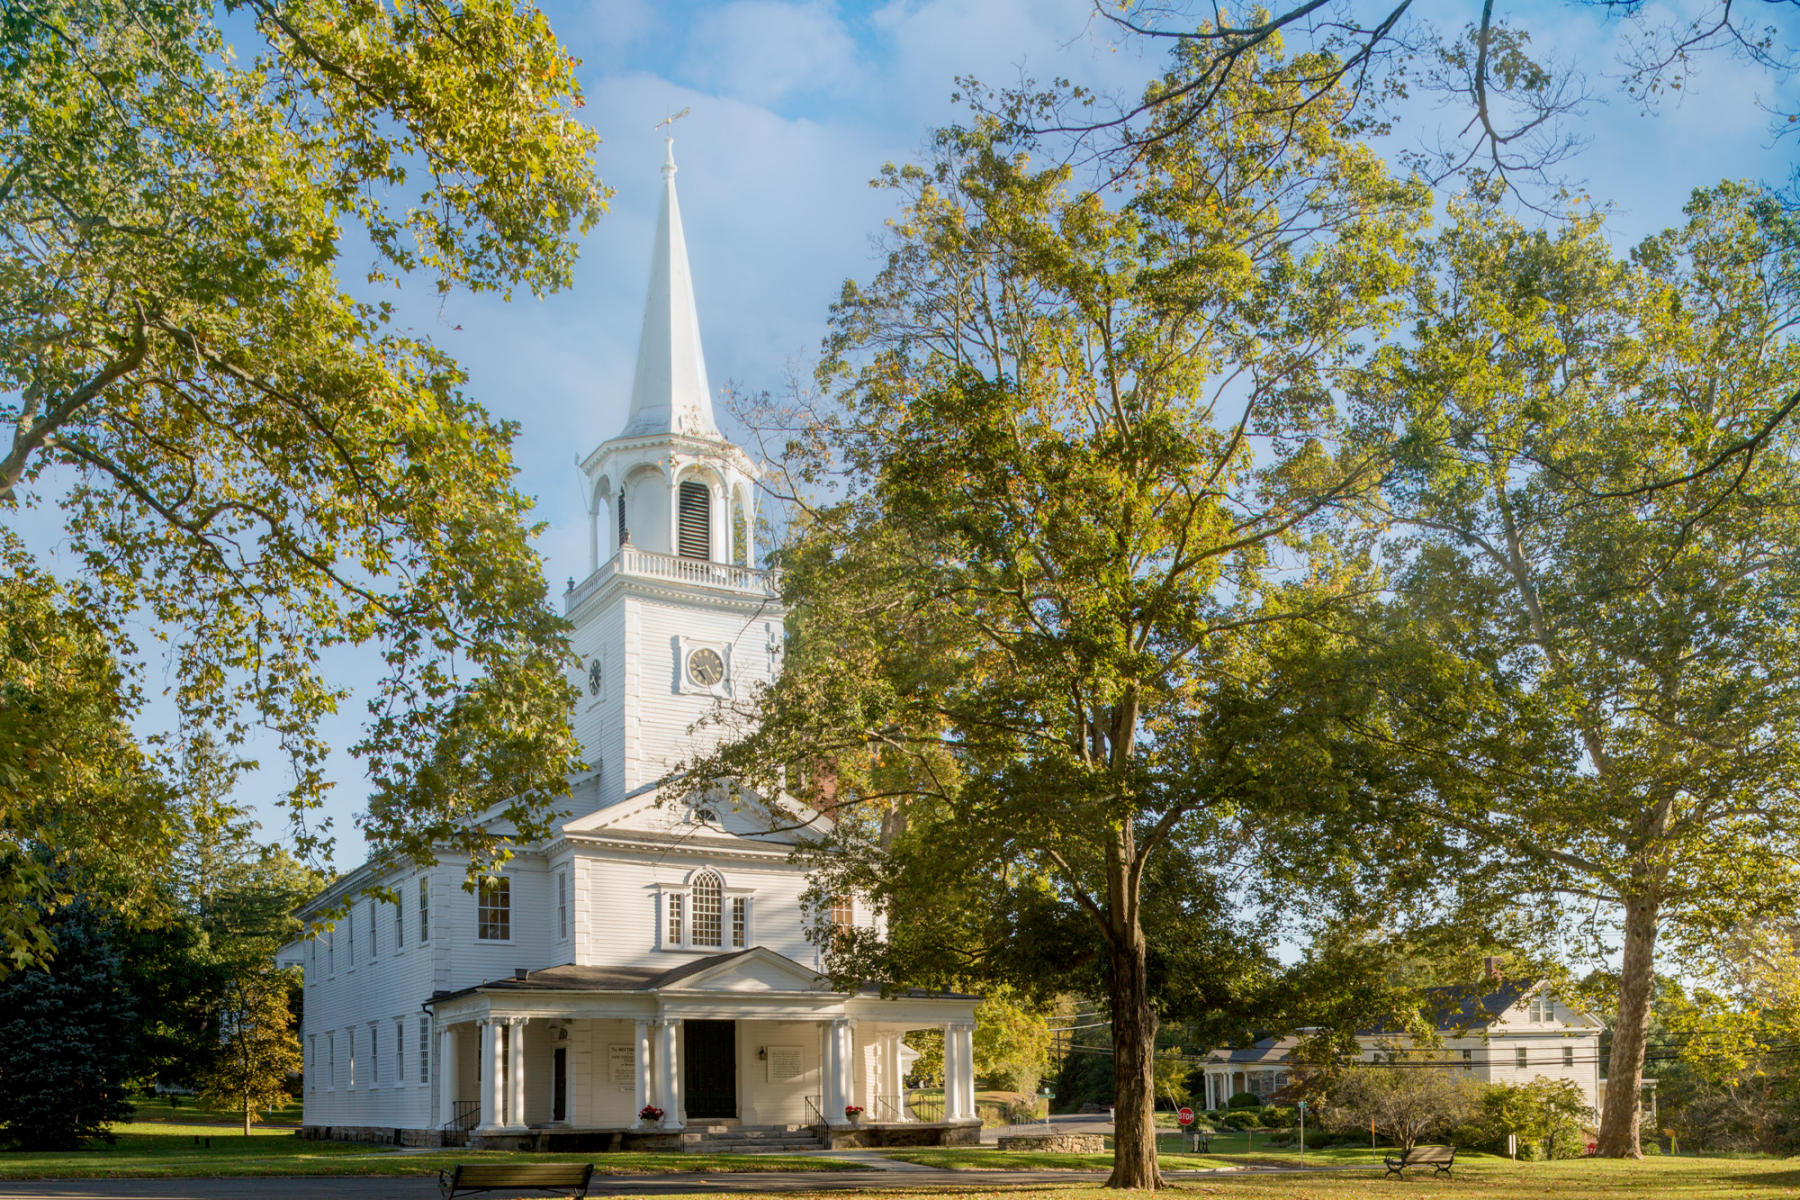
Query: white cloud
[(766, 52)]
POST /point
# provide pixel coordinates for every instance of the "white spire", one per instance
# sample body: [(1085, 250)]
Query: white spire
[(670, 393)]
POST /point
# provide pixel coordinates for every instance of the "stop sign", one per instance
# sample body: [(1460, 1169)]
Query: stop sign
[(1186, 1116)]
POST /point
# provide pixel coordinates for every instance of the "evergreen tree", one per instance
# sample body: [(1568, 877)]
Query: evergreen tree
[(65, 1034)]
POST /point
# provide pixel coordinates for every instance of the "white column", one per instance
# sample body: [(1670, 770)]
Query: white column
[(571, 1080), (515, 1071), (963, 1079), (831, 1076), (491, 1067), (669, 1054), (642, 1080), (446, 1075)]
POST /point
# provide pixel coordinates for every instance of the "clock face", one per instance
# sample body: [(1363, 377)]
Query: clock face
[(594, 677), (705, 667)]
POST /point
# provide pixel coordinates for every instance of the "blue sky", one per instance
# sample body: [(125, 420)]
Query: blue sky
[(794, 107)]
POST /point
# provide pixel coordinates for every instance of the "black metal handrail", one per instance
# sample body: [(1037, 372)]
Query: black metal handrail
[(815, 1110), (464, 1114)]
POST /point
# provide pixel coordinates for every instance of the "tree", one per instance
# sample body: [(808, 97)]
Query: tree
[(1517, 102), (65, 1032), (74, 783), (1540, 1112), (258, 1049), (1404, 1103), (1600, 471), (1034, 643), (245, 454)]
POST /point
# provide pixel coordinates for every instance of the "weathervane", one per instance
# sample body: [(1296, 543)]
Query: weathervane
[(672, 117)]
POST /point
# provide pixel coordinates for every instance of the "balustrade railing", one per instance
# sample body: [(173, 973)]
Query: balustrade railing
[(647, 564)]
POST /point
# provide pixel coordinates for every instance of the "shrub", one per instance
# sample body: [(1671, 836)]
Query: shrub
[(1241, 1119), (1279, 1116), (1244, 1100)]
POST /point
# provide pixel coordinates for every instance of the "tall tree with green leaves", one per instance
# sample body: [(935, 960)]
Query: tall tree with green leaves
[(1087, 435), (247, 456), (1601, 477), (257, 1047)]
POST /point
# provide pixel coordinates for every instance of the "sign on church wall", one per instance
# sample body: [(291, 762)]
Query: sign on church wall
[(621, 1065), (785, 1063)]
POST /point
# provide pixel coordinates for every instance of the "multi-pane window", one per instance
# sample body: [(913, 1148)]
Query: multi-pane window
[(1568, 1056), (493, 912), (399, 926), (351, 1032), (675, 917), (740, 922), (373, 917), (330, 1059), (1468, 1060), (330, 953), (562, 904), (1521, 1058), (1540, 1011), (424, 1049), (424, 910), (399, 1051), (350, 936), (374, 1052), (708, 909), (312, 1062)]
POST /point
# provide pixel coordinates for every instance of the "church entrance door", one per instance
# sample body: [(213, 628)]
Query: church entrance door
[(709, 1068)]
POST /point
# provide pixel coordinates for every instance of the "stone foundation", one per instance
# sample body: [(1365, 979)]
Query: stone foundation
[(907, 1133), (377, 1135), (1065, 1143)]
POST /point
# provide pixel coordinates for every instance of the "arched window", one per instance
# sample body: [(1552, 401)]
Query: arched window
[(709, 895), (623, 536), (740, 530), (696, 521)]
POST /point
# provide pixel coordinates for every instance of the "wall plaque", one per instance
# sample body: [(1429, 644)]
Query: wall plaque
[(785, 1063), (621, 1065)]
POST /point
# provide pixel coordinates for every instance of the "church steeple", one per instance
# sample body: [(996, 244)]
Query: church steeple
[(670, 393)]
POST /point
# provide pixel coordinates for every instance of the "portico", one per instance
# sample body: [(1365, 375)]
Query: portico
[(750, 1039)]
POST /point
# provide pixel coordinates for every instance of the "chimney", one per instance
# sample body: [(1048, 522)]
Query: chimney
[(1491, 968), (520, 972)]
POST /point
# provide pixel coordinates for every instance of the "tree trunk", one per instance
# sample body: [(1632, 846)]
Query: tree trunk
[(1134, 1067), (1622, 1113), (246, 1118)]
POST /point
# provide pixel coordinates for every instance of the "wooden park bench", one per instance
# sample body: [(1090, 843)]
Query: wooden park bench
[(1440, 1157), (563, 1178)]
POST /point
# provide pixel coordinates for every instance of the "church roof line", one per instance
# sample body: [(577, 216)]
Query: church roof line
[(670, 393)]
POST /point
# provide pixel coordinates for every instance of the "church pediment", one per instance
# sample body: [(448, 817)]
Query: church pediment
[(757, 969), (747, 818)]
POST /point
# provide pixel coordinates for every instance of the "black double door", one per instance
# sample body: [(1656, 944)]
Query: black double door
[(709, 1068)]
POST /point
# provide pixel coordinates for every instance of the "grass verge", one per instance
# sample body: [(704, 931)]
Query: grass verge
[(163, 1150)]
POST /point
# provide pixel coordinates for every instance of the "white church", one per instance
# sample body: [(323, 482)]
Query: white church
[(644, 978)]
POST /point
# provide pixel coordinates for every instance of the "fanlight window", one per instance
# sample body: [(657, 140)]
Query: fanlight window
[(696, 521), (708, 910)]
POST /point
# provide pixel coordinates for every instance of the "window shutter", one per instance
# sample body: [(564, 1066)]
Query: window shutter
[(621, 516), (696, 521)]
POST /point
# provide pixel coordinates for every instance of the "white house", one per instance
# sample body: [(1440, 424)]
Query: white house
[(647, 955), (1503, 1033)]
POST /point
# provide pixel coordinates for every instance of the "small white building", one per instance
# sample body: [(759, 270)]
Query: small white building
[(1507, 1033), (649, 955)]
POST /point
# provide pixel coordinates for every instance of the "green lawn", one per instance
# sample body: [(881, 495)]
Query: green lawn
[(149, 1149), (157, 1110), (983, 1158)]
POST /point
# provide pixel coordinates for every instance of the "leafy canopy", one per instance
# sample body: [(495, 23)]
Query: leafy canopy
[(259, 465)]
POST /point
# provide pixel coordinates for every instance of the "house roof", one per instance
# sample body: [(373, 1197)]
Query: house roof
[(572, 978), (1461, 1006)]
